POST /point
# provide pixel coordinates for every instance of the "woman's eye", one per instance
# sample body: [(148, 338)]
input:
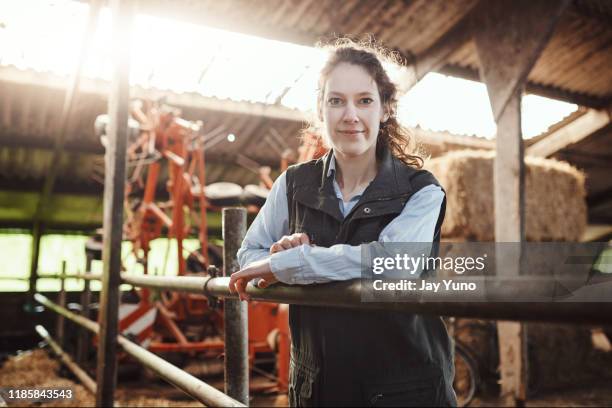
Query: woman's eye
[(334, 101), (366, 101)]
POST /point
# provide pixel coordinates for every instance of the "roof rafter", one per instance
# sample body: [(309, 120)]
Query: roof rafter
[(590, 101), (575, 131)]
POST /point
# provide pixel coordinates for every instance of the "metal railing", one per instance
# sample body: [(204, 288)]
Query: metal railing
[(196, 388), (347, 294)]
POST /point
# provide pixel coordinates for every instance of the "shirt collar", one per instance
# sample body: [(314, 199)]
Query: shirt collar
[(331, 169)]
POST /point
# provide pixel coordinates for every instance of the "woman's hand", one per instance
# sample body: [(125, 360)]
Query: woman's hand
[(290, 241), (260, 269)]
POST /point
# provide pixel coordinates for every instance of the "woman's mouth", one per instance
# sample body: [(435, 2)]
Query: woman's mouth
[(350, 132)]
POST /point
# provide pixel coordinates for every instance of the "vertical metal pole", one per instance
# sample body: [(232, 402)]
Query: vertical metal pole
[(83, 342), (62, 302), (114, 186), (236, 312)]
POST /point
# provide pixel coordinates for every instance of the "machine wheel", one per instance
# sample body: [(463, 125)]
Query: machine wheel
[(466, 375)]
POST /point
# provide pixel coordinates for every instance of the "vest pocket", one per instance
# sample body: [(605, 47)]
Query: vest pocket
[(417, 392), (302, 384)]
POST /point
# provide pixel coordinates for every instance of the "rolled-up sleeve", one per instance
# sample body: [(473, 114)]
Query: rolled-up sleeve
[(271, 223)]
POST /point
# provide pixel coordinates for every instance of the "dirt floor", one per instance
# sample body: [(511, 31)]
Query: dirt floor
[(36, 369), (599, 396)]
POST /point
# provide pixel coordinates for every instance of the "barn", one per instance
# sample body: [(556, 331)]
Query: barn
[(140, 139)]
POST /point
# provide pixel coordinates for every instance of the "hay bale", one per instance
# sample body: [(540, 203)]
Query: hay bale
[(563, 356), (555, 203), (555, 206)]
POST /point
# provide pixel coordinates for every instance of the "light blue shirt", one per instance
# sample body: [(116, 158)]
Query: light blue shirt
[(313, 264)]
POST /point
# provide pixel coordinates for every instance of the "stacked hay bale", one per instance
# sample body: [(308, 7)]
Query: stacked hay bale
[(555, 210), (555, 206)]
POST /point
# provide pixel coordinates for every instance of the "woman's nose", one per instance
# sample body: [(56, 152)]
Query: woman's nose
[(350, 114)]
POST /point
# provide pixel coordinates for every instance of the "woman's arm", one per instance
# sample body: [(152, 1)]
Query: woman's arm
[(311, 264), (307, 264), (271, 223)]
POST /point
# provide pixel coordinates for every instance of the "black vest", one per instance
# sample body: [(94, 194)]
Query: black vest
[(351, 357)]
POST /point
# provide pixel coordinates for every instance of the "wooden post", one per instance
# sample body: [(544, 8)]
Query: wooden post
[(36, 233), (114, 186), (83, 341), (509, 38), (59, 332), (509, 190)]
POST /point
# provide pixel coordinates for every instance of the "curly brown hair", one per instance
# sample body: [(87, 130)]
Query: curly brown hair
[(368, 55)]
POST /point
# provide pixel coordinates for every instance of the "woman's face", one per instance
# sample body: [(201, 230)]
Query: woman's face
[(351, 110)]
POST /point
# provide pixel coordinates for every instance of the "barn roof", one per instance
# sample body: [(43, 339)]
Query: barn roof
[(573, 67)]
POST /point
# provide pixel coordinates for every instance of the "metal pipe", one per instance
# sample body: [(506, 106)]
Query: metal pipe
[(87, 381), (85, 276), (498, 304), (197, 389), (187, 284), (59, 332), (235, 315)]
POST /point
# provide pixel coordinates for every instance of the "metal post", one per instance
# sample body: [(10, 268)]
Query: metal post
[(83, 341), (236, 312), (62, 302), (114, 187)]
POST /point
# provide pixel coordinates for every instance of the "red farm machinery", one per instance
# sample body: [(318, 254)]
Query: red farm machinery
[(163, 146)]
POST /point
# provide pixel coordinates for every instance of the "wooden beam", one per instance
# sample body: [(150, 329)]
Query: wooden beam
[(519, 37), (575, 131), (101, 88), (114, 188), (509, 38), (547, 91), (34, 254), (443, 140), (436, 55), (16, 140), (597, 233), (67, 111), (509, 205)]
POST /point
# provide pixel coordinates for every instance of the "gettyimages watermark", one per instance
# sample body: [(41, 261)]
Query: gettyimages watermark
[(486, 272)]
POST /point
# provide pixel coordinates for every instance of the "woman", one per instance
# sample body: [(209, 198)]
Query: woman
[(317, 219)]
